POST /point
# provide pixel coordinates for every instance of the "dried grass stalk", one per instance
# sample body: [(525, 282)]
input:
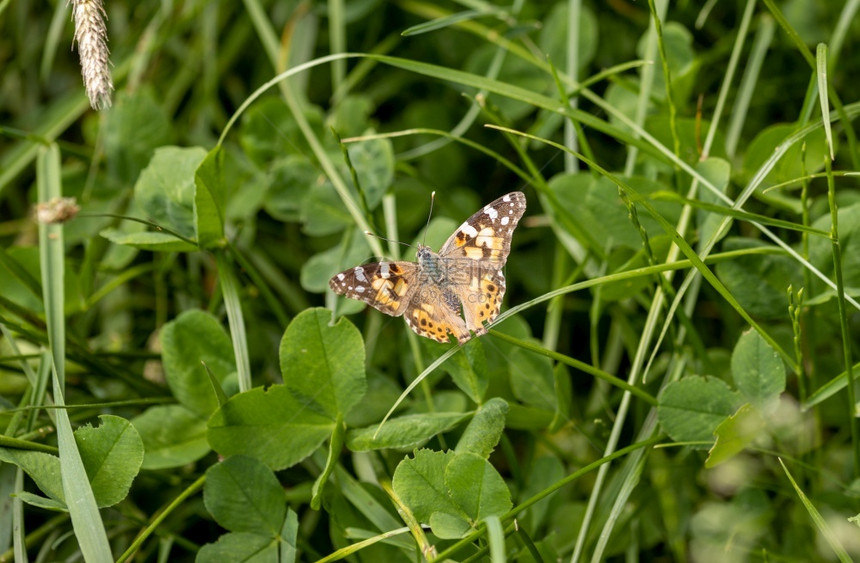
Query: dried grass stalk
[(91, 36)]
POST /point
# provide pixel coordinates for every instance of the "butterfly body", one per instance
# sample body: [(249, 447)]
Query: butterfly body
[(465, 276), (431, 266)]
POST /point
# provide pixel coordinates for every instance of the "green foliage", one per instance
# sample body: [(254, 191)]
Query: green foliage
[(451, 491), (112, 454), (177, 381)]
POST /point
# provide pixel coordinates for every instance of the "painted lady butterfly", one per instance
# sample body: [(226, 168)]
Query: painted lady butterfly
[(465, 276)]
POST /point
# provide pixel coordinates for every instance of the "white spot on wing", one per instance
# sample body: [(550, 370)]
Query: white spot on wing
[(384, 270), (359, 274), (359, 289), (340, 276), (469, 230), (505, 220), (507, 198), (491, 212)]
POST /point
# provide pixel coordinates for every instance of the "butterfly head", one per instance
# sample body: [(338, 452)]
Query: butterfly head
[(430, 263)]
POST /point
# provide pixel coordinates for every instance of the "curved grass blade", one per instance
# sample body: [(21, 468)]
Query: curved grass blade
[(817, 519)]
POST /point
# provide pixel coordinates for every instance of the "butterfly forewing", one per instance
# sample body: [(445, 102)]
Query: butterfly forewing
[(386, 286), (486, 235)]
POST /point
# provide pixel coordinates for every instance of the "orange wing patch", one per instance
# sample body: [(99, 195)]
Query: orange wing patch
[(483, 300)]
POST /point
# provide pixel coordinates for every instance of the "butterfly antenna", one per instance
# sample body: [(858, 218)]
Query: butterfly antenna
[(427, 226), (368, 233)]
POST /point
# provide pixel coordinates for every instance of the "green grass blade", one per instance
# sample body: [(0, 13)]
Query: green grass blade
[(444, 21), (817, 519), (746, 88), (821, 66), (496, 539), (80, 500), (233, 304), (836, 251), (337, 38), (829, 389)]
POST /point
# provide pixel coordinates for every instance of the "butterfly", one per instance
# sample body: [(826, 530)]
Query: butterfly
[(449, 293)]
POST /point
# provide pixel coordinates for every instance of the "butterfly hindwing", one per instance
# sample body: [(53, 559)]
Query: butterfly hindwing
[(434, 312), (482, 301), (386, 286)]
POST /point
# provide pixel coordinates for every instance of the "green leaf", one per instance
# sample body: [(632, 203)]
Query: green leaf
[(21, 279), (469, 370), (789, 167), (555, 35), (449, 526), (290, 180), (734, 434), (195, 337), (172, 436), (165, 188), (134, 127), (240, 547), (335, 446), (210, 198), (597, 207), (759, 282), (682, 63), (821, 252), (373, 161), (324, 212), (270, 425), (243, 495), (625, 288), (43, 468), (352, 114), (149, 240), (112, 454), (320, 267), (450, 491), (269, 130), (419, 481), (545, 472), (405, 432), (485, 429), (528, 418), (758, 371), (691, 409), (42, 502), (477, 487), (718, 171), (289, 537), (323, 364), (532, 380)]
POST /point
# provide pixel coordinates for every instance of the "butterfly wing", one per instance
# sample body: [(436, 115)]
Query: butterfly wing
[(482, 299), (475, 255), (486, 235), (385, 286), (434, 312)]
